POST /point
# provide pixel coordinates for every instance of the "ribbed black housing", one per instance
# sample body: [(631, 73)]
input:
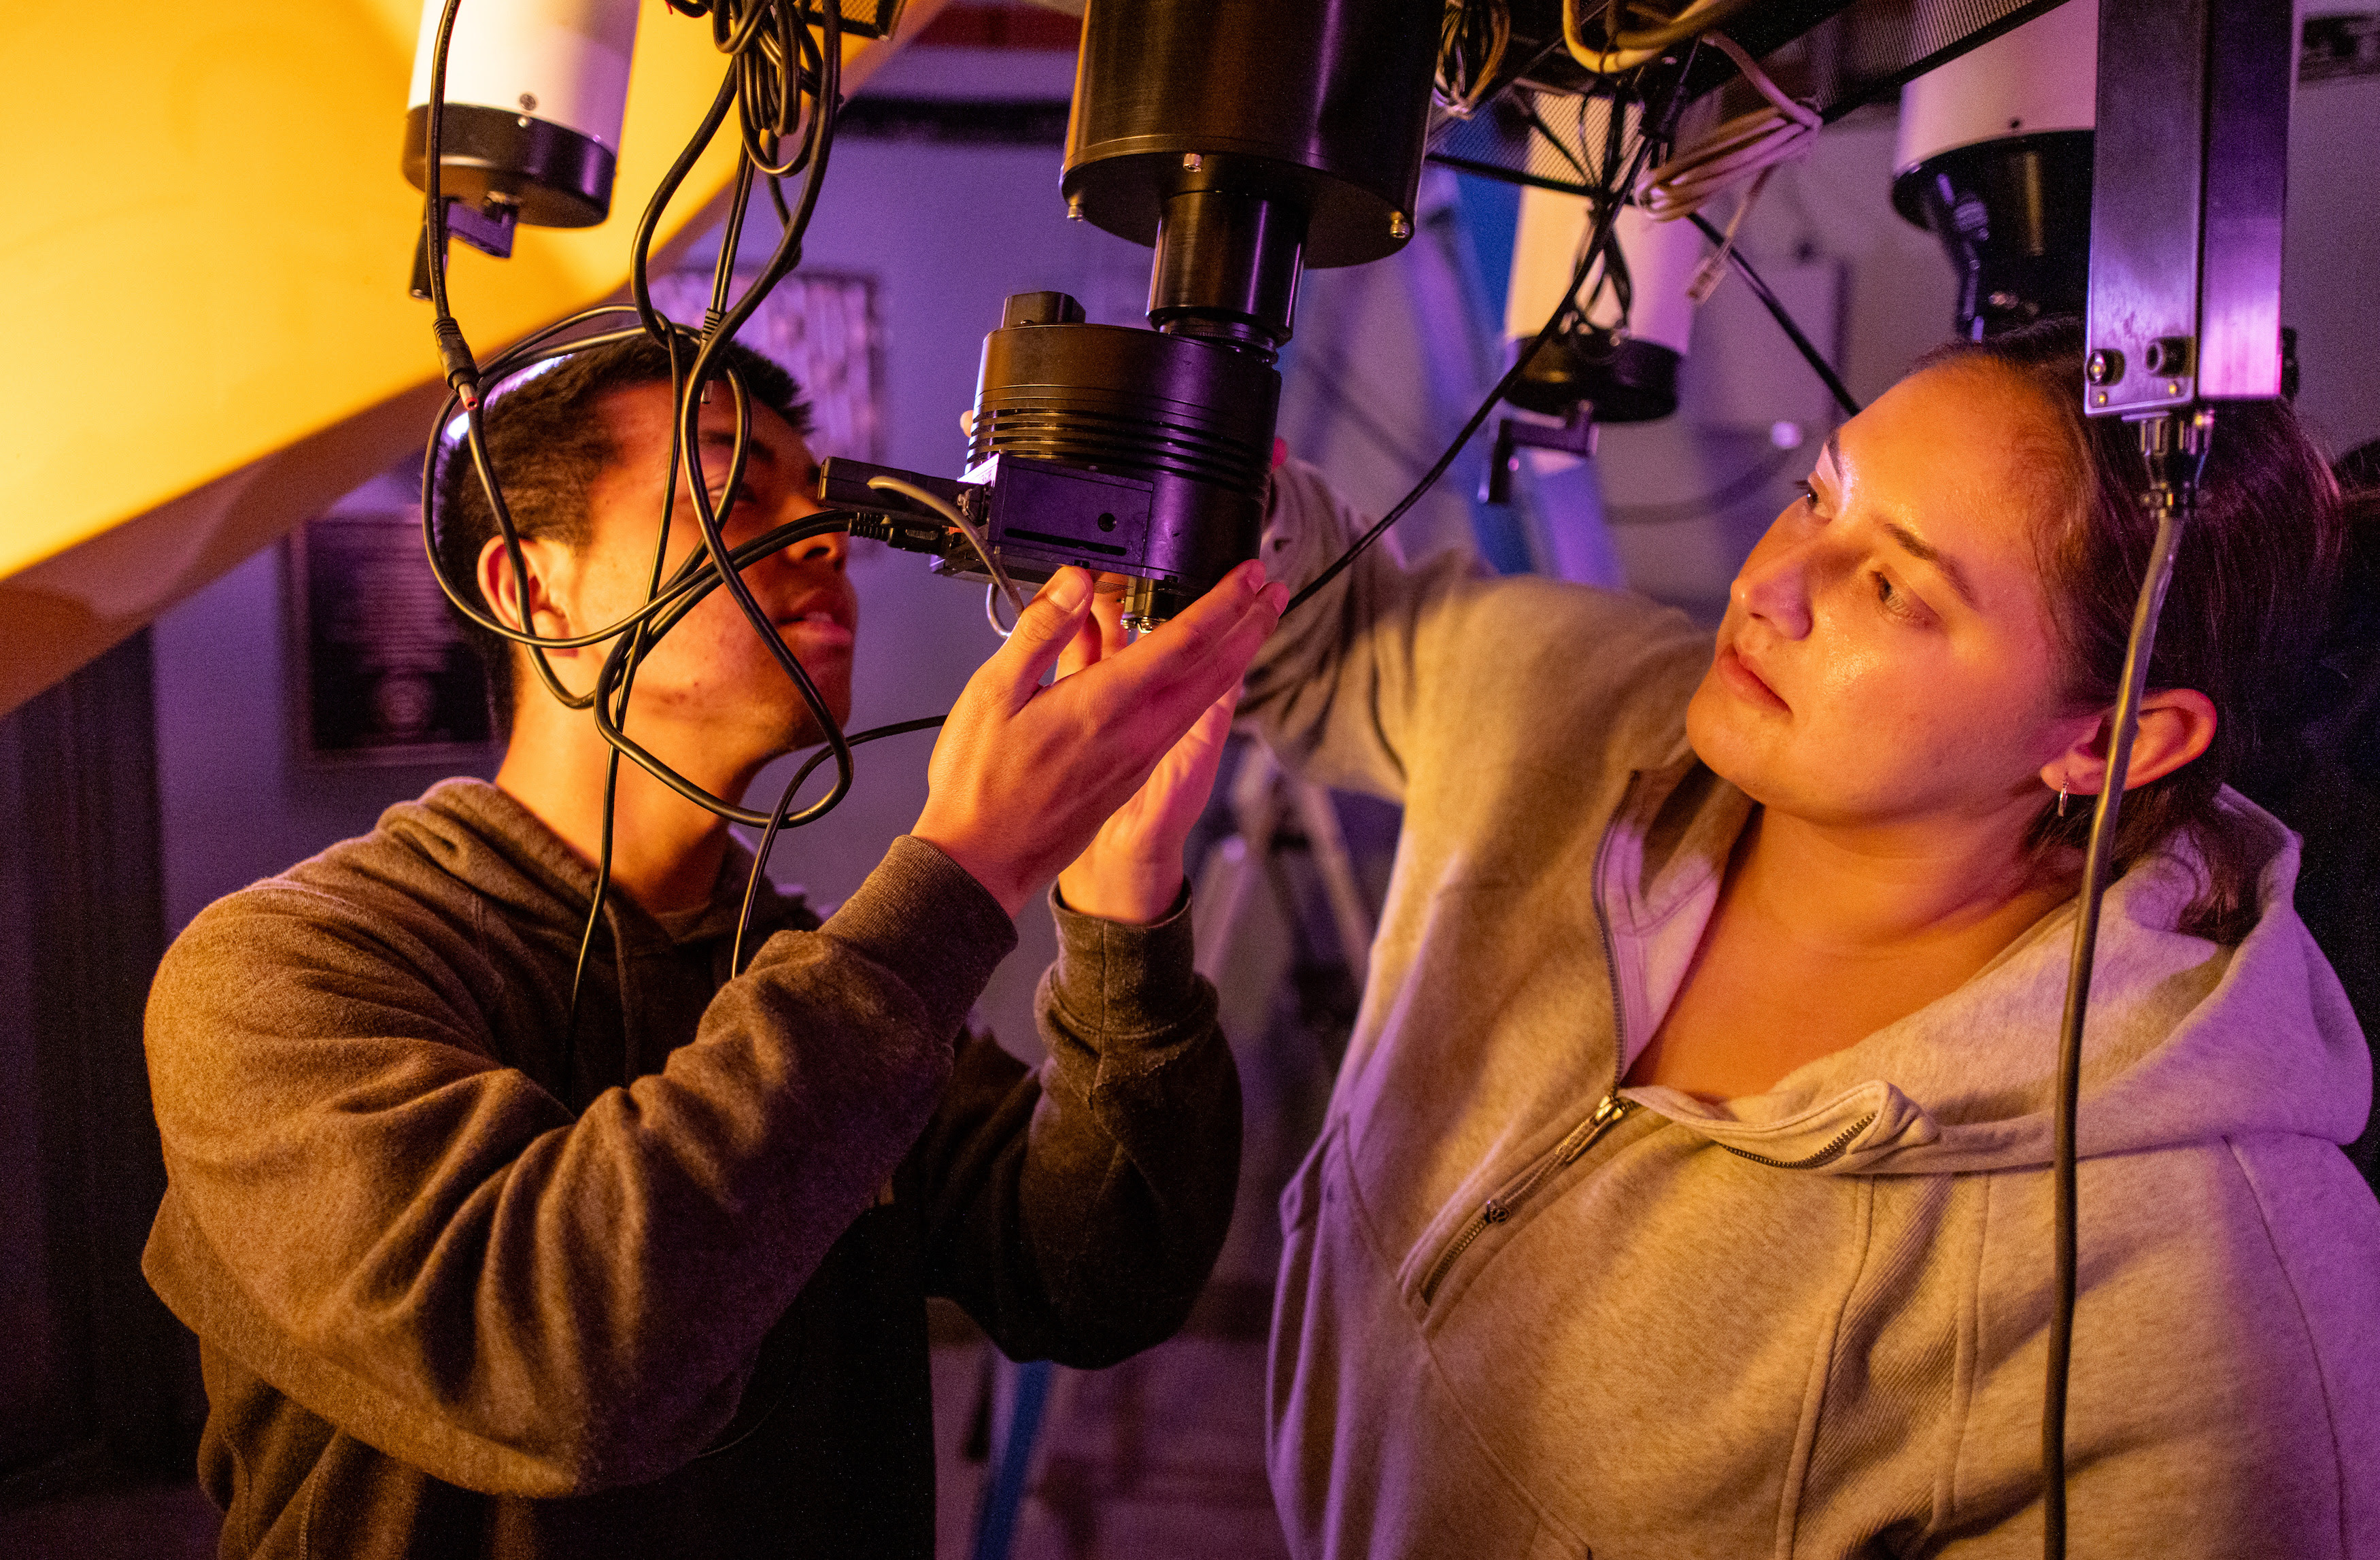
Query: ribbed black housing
[(1318, 104), (1192, 418)]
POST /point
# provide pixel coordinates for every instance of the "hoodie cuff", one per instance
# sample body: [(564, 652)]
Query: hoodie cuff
[(1139, 981), (926, 919)]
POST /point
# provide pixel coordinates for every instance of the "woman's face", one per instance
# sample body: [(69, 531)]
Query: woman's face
[(1887, 654)]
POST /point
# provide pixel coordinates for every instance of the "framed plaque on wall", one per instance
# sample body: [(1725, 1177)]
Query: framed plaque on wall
[(383, 674)]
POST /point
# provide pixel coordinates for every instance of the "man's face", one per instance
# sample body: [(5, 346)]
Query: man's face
[(711, 675)]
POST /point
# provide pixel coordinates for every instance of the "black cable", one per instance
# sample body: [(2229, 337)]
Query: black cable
[(616, 664), (769, 836), (2176, 446), (1604, 218), (820, 128), (1777, 311), (774, 73), (605, 829)]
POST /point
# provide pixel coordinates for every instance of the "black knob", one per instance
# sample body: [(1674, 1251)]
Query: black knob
[(2105, 367), (2167, 354)]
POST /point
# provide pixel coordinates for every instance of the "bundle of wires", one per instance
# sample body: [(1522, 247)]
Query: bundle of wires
[(783, 81), (1471, 40), (1615, 50)]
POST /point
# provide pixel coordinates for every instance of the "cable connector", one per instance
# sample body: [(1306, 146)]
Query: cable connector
[(2174, 445), (910, 533), (454, 357)]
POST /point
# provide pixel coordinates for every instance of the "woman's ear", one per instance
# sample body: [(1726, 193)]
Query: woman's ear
[(2177, 725)]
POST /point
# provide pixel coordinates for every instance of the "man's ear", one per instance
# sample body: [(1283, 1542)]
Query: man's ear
[(501, 588), (2177, 725)]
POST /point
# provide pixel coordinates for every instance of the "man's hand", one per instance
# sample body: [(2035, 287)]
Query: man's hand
[(1024, 776), (1133, 870)]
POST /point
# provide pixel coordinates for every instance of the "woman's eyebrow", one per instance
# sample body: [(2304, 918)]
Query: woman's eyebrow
[(1917, 546)]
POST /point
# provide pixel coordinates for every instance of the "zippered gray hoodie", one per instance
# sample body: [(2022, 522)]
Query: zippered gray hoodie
[(1524, 1311)]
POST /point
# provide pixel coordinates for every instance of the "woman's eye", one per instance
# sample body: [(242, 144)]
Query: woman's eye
[(1809, 495), (1890, 597)]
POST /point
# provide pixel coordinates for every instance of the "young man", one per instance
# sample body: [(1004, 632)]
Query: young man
[(468, 1281)]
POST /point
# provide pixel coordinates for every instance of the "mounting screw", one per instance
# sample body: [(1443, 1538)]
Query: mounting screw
[(1399, 226), (1192, 162), (2173, 388), (2105, 367), (529, 102)]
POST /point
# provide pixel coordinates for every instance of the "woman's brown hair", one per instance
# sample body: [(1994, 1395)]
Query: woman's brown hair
[(2251, 593)]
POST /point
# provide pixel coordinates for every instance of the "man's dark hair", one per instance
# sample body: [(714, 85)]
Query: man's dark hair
[(549, 442)]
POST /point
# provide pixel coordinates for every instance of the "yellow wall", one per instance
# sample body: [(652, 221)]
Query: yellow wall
[(204, 249)]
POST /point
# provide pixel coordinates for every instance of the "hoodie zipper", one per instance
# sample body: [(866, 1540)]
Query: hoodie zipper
[(1827, 1155), (1501, 1207), (1609, 1111)]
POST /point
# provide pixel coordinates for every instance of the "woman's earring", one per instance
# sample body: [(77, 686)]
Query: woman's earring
[(2061, 798)]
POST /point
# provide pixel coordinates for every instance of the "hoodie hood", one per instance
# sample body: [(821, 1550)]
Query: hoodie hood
[(2186, 1041), (482, 835)]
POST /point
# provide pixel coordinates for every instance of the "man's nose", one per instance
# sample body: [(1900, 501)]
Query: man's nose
[(827, 551), (810, 559)]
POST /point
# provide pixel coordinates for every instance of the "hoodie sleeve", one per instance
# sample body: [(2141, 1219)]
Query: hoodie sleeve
[(425, 1248), (1392, 677), (1334, 691), (1076, 1212)]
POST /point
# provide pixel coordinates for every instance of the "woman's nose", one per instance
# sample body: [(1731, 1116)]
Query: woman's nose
[(1774, 586)]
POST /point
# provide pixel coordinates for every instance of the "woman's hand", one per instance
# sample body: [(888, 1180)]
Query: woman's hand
[(1024, 777), (1133, 870)]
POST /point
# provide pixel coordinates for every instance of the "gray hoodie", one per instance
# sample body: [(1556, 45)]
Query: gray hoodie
[(1524, 1311)]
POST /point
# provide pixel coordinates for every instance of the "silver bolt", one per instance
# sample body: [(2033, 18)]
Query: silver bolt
[(1399, 228), (529, 102), (1192, 162)]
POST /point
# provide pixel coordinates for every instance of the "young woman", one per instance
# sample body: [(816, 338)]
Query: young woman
[(1685, 1191)]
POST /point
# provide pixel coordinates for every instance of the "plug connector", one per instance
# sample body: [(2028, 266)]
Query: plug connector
[(454, 357), (910, 533)]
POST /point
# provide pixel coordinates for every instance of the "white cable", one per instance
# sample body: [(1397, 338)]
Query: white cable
[(950, 512), (1750, 145)]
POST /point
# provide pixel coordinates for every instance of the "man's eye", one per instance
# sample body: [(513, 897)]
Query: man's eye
[(1892, 599)]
